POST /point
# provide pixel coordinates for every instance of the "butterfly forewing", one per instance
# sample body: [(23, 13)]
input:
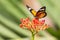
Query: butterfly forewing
[(32, 11), (43, 8)]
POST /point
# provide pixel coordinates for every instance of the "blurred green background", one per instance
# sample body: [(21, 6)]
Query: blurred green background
[(12, 10)]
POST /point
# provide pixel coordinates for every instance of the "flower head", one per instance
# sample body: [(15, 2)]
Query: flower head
[(35, 25)]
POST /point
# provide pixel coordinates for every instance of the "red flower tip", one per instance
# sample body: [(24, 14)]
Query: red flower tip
[(21, 25)]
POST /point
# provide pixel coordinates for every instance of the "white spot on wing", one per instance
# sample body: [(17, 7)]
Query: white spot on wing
[(29, 8)]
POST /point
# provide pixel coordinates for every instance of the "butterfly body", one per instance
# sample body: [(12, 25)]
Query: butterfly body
[(39, 14)]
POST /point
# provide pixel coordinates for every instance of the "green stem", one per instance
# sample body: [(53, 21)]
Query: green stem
[(33, 36)]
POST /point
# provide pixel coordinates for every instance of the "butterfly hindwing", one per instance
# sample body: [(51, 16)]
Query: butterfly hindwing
[(41, 13)]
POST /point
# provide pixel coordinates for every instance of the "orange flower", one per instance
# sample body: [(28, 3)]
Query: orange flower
[(34, 25)]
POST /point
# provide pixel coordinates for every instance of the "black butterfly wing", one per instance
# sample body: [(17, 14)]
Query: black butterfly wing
[(43, 8)]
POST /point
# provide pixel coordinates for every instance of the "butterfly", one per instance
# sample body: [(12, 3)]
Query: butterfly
[(41, 13)]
